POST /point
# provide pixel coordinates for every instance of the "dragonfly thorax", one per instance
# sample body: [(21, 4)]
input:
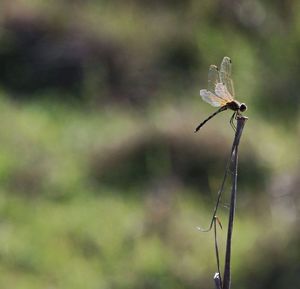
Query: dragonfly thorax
[(235, 105)]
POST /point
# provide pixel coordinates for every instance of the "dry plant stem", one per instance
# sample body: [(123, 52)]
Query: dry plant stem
[(223, 182), (227, 270)]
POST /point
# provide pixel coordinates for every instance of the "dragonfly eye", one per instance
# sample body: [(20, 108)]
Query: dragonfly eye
[(243, 107)]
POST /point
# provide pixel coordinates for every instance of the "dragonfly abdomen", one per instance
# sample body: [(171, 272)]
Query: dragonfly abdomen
[(211, 116)]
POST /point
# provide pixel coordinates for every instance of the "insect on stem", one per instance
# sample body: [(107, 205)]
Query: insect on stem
[(220, 92)]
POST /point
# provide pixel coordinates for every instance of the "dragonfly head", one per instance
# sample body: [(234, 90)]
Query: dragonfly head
[(243, 107)]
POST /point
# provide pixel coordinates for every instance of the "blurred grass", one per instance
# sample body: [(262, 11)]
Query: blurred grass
[(103, 181), (62, 228)]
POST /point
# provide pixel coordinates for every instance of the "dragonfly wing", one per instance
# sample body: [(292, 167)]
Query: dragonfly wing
[(213, 78), (223, 93), (225, 74), (211, 98)]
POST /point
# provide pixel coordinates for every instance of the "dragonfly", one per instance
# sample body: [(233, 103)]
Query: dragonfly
[(220, 92)]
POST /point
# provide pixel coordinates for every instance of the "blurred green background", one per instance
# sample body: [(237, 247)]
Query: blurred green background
[(102, 180)]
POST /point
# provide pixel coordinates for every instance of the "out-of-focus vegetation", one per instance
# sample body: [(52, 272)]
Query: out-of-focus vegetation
[(102, 179)]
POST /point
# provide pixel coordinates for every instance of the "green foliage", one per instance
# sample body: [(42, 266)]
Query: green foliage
[(102, 180)]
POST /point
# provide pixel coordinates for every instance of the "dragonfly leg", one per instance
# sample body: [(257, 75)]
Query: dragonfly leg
[(232, 120)]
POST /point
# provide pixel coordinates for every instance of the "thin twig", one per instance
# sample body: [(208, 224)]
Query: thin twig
[(217, 251), (219, 194), (218, 282), (234, 154)]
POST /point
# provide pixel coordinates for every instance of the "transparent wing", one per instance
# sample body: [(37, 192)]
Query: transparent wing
[(213, 78), (222, 92), (211, 98), (225, 74)]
